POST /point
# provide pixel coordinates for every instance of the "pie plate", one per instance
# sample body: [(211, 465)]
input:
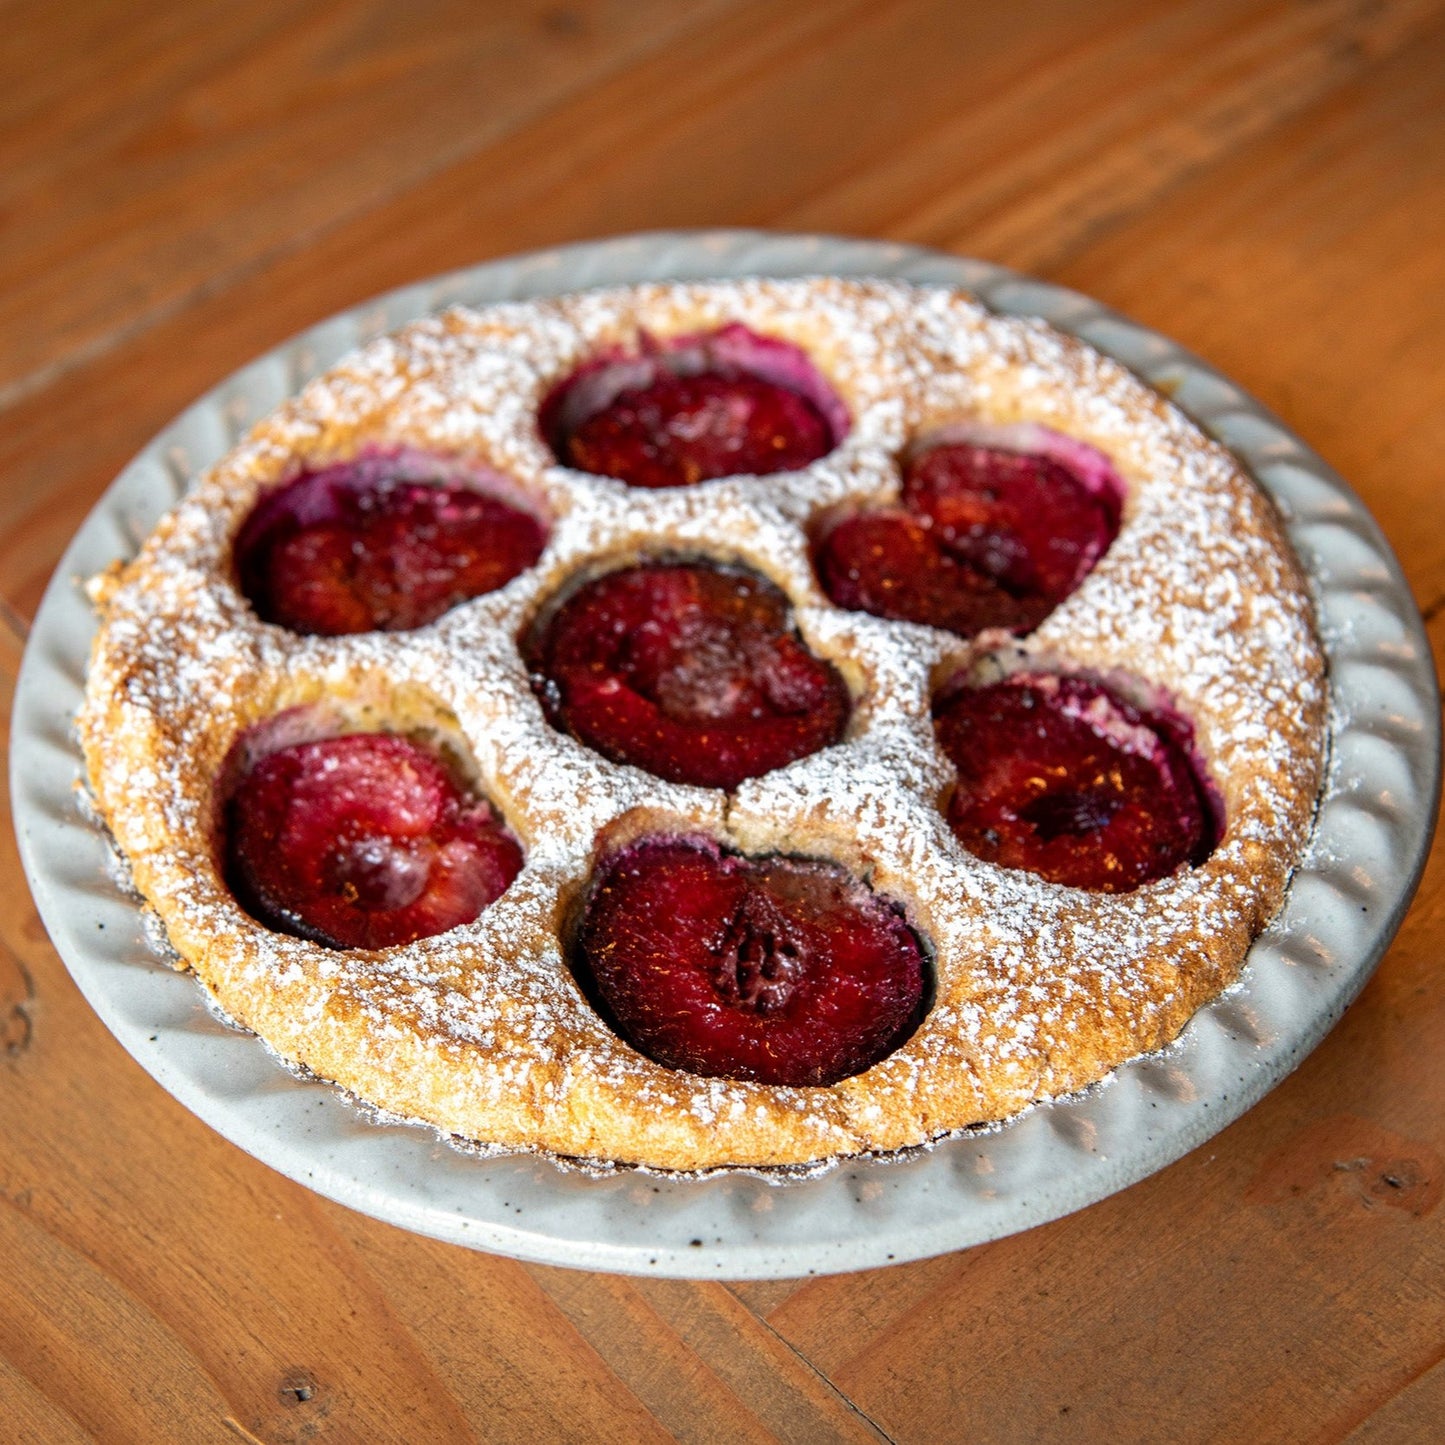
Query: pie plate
[(1344, 904)]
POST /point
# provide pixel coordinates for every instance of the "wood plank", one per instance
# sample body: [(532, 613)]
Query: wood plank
[(704, 1363), (164, 1266), (680, 1388), (801, 1404), (24, 944), (1308, 269), (28, 1415), (647, 141), (217, 136), (517, 1365), (1111, 124), (742, 124), (65, 1321)]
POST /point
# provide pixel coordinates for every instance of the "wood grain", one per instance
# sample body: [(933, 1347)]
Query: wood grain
[(182, 186), (243, 124), (722, 1373), (1342, 205)]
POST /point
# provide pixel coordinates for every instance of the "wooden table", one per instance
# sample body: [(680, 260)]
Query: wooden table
[(184, 185)]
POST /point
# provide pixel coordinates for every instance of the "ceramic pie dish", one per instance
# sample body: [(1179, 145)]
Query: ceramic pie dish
[(731, 1221)]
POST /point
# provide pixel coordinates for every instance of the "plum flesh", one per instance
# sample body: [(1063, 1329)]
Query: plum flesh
[(776, 970), (363, 841), (1062, 777), (689, 670)]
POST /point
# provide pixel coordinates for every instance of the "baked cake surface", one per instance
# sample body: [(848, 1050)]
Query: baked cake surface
[(1038, 989)]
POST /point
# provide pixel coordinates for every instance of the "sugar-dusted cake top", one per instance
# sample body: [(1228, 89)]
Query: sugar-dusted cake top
[(1166, 589)]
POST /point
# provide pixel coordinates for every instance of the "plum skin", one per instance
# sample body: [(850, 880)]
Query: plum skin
[(687, 669), (1062, 777), (366, 840), (774, 970)]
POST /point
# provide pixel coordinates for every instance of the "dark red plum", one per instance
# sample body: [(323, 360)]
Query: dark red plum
[(776, 970), (1062, 777), (982, 536), (363, 841), (385, 542), (689, 670), (693, 409)]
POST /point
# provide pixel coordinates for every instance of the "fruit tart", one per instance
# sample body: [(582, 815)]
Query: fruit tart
[(725, 724)]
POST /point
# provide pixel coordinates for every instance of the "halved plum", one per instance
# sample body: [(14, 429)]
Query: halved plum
[(363, 841), (777, 970), (694, 408), (1061, 776), (690, 670), (385, 542), (994, 527)]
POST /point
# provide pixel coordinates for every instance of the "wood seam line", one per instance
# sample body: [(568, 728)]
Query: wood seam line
[(904, 224), (1429, 613), (1395, 1391), (38, 380), (13, 621), (813, 1369)]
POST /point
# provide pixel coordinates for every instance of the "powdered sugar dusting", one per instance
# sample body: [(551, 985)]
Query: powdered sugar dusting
[(482, 1031)]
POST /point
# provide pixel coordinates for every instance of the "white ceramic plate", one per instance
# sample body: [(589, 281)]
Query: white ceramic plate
[(1344, 904)]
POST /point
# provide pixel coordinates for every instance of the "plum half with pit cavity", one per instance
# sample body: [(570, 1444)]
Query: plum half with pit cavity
[(695, 408), (776, 970), (363, 841), (1063, 777)]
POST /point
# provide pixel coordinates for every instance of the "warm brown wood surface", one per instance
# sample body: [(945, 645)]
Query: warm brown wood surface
[(182, 185)]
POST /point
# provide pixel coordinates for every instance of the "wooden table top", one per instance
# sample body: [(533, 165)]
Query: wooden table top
[(184, 185)]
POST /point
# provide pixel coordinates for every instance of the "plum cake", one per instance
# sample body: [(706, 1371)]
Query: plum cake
[(743, 723)]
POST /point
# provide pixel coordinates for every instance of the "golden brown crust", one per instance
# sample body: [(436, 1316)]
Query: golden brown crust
[(482, 1032)]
